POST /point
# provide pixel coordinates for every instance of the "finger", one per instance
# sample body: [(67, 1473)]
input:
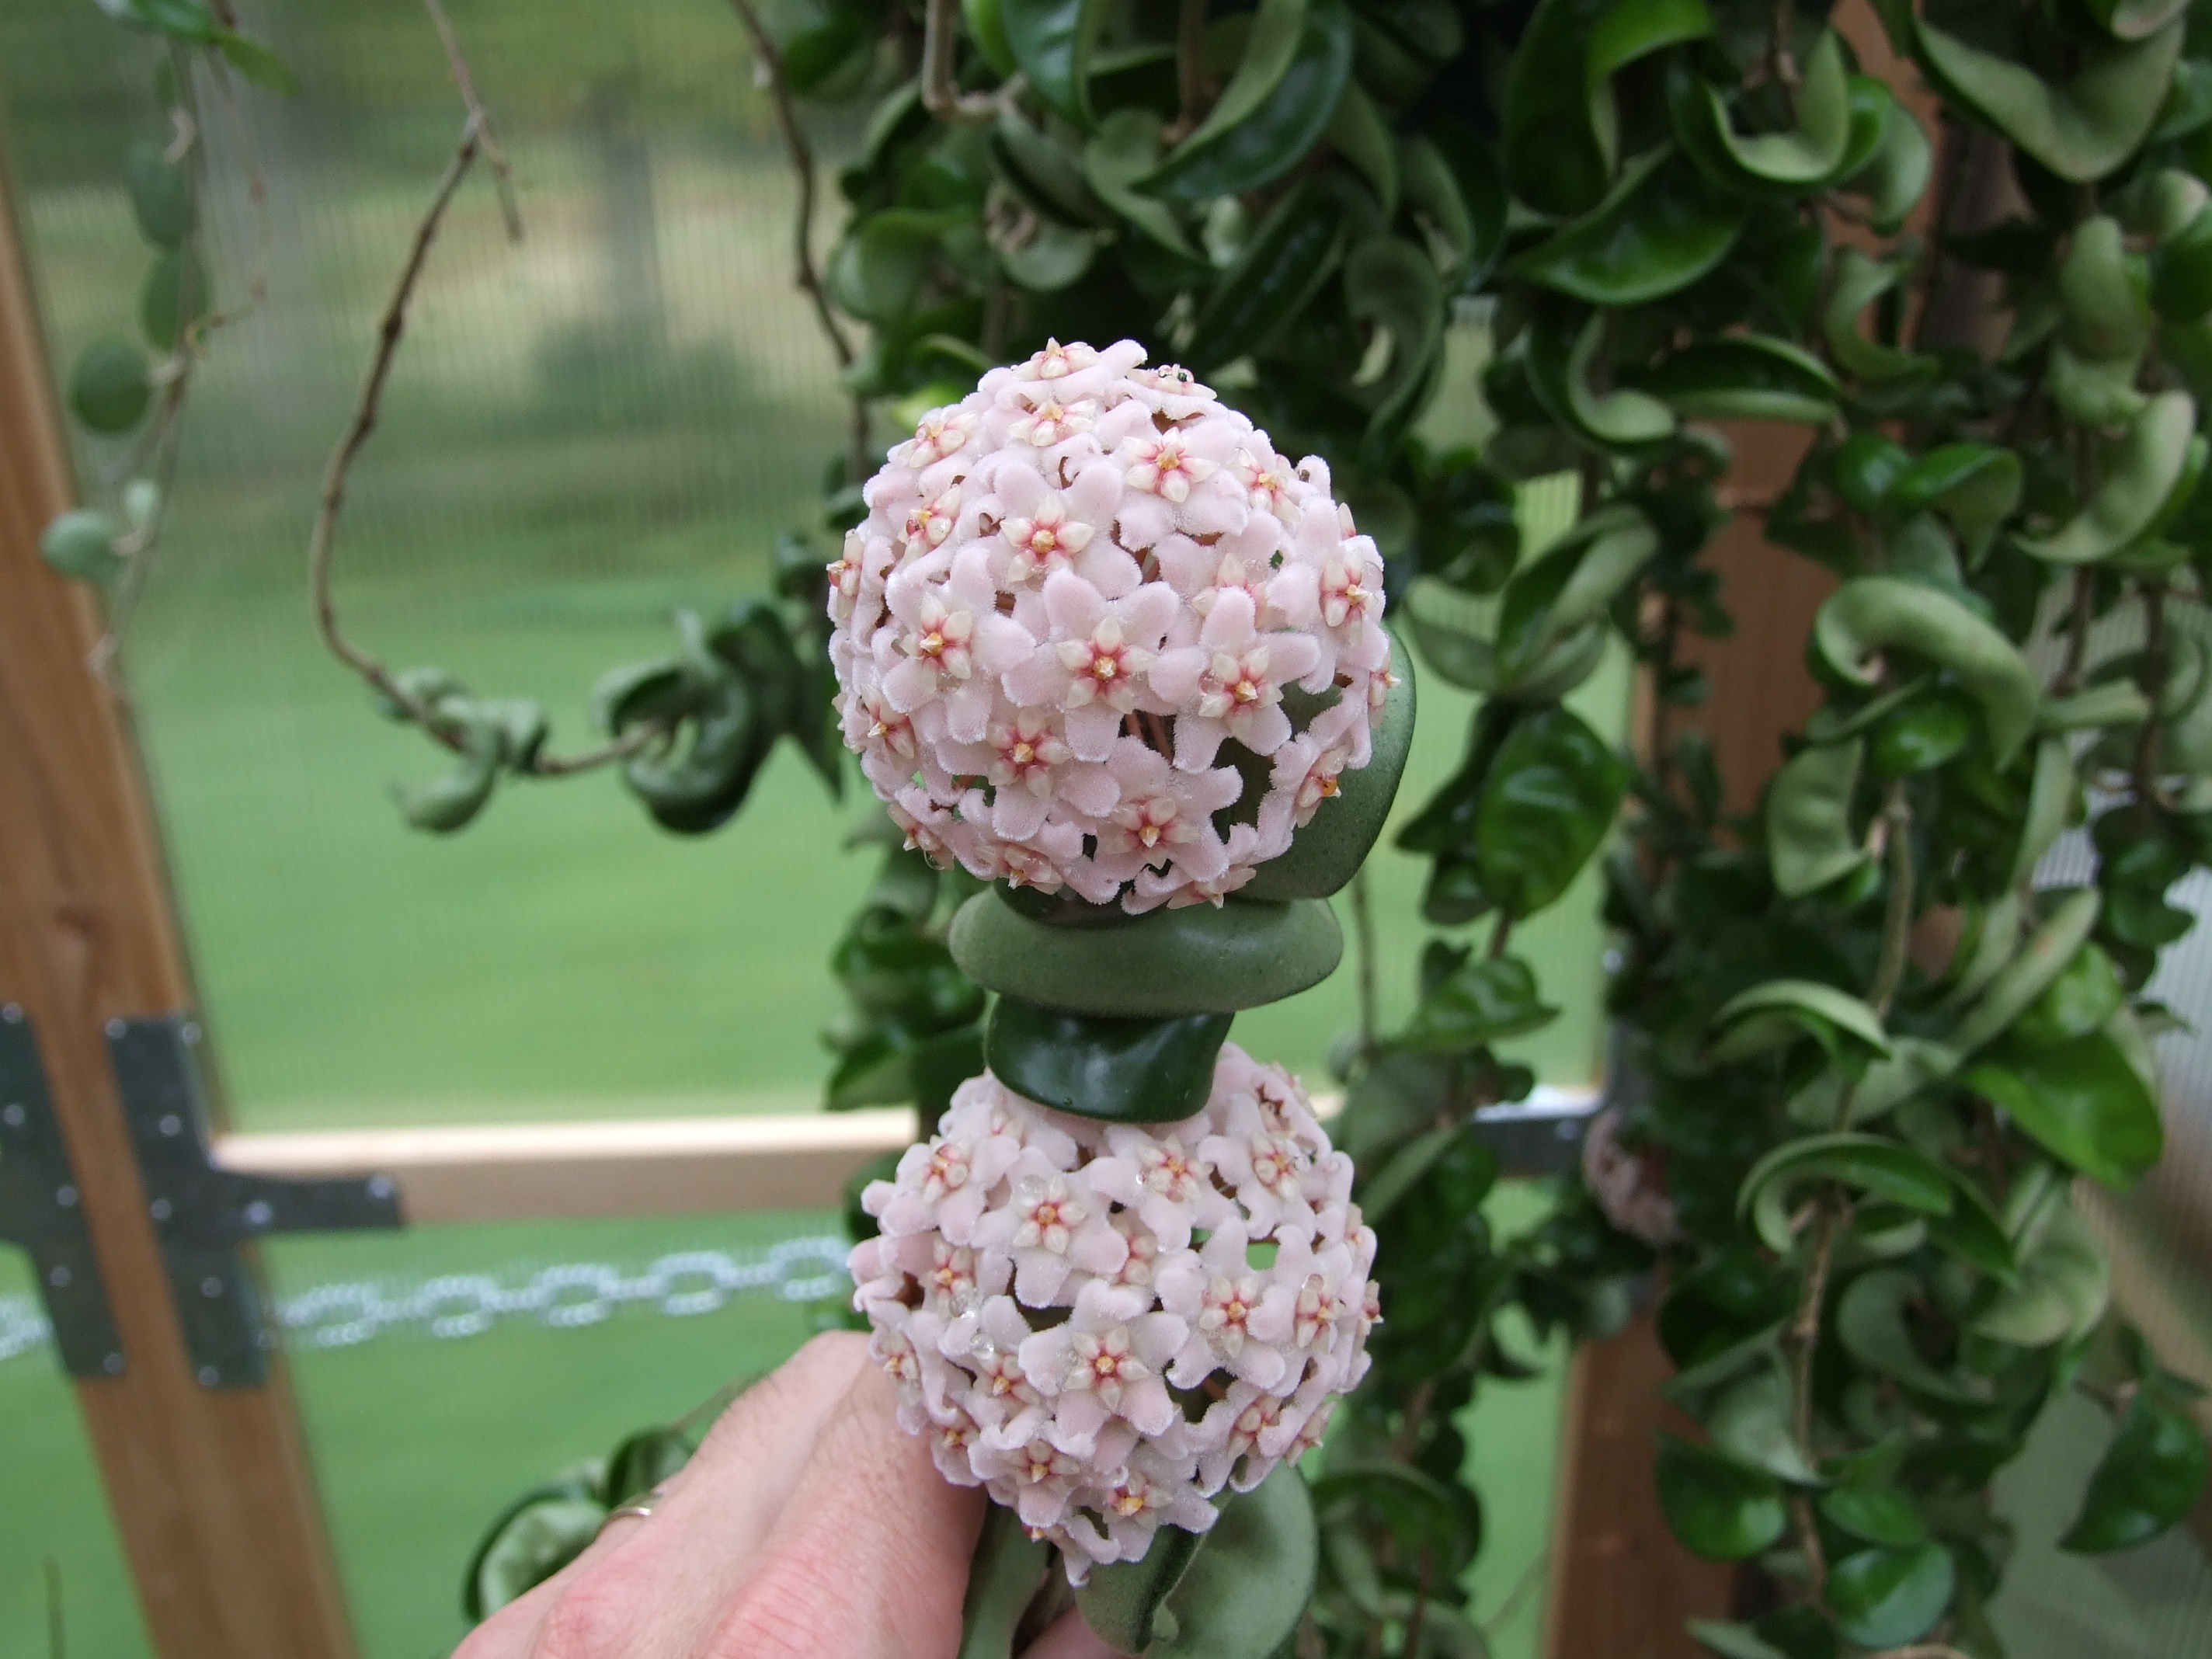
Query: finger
[(1069, 1638), (870, 1557), (647, 1587)]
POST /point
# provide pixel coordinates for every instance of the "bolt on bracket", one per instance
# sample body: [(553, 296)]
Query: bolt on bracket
[(202, 1214)]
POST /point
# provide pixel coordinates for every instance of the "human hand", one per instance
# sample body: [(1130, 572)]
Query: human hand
[(808, 1526)]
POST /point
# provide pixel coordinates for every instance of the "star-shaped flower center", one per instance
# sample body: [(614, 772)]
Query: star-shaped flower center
[(1105, 1363), (1275, 1164), (943, 432), (1344, 595), (947, 1170), (940, 638), (1027, 751), (1236, 684), (1049, 421), (1170, 1171), (1103, 666), (931, 522), (1049, 1215), (1166, 467), (1227, 1305), (1044, 543), (1056, 361)]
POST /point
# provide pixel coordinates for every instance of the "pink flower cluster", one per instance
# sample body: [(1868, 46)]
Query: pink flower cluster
[(1105, 1324), (1073, 591)]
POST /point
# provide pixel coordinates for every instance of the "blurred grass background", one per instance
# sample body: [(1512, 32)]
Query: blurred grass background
[(613, 419)]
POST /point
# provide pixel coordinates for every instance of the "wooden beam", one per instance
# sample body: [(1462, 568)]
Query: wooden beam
[(665, 1166), (1620, 1587), (210, 1489)]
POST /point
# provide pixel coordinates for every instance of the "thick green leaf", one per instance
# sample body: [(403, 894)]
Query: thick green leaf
[(1121, 1601), (1895, 177), (161, 194), (1883, 1598), (542, 1532), (2150, 1478), (1196, 960), (2181, 272), (2132, 19), (2064, 1285), (1432, 191), (1124, 151), (2145, 481), (1559, 355), (1554, 158), (80, 544), (1392, 285), (2024, 977), (1328, 851), (1750, 1421), (1976, 486), (1859, 281), (175, 296), (1124, 1071), (1244, 1595), (1768, 163), (987, 28), (2081, 1102), (1657, 231), (1484, 999), (1547, 804), (1570, 584), (1362, 136), (2081, 129), (1872, 614), (1745, 377), (1891, 1171), (1776, 1010), (1871, 1325), (1053, 257), (1276, 135), (108, 390), (1295, 250), (1714, 1506), (1003, 1576), (452, 800), (1052, 40), (1808, 826), (1270, 45), (1879, 1515), (2086, 995), (877, 271)]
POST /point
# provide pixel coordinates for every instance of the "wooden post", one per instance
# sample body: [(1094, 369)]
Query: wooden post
[(1620, 1587), (210, 1488)]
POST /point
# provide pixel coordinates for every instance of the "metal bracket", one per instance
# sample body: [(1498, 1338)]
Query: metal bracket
[(202, 1213), (41, 1209)]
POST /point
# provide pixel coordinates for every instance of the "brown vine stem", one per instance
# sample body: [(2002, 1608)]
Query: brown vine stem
[(940, 92), (510, 210), (769, 57), (1190, 72), (2077, 635), (331, 500), (1897, 910)]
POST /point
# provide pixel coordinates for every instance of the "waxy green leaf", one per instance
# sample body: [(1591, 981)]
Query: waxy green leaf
[(1052, 40), (1276, 133), (1777, 1012), (1744, 377), (2080, 129), (1873, 614), (2148, 479), (1122, 1071), (1786, 164), (1717, 1508), (1659, 229), (1810, 841), (1559, 356), (2083, 1101), (108, 390), (1883, 1598), (2149, 1479), (1870, 1322), (2025, 977), (1892, 1172)]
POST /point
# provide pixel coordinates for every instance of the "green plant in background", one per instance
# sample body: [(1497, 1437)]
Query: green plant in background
[(131, 403), (1873, 1056)]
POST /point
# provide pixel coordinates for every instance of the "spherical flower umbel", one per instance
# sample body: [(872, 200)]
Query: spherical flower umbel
[(1080, 596), (1106, 1324)]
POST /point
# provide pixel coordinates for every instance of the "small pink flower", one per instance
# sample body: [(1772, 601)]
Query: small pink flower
[(929, 523), (1268, 481), (942, 432), (1056, 361), (1164, 466), (1104, 666), (1027, 749), (1349, 592), (1046, 421), (1046, 542)]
